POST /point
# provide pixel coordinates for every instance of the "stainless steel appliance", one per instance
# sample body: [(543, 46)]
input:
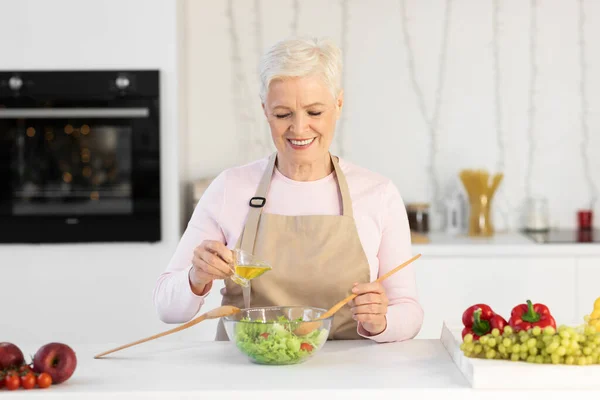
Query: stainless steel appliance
[(79, 156)]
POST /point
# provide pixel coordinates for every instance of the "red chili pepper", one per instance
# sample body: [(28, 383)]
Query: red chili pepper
[(480, 319), (527, 316)]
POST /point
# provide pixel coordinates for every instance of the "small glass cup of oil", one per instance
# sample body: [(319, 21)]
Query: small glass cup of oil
[(246, 266)]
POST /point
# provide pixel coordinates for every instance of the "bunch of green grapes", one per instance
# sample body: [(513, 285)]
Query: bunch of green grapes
[(568, 345)]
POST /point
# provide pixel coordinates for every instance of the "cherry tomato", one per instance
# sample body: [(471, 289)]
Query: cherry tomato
[(44, 380), (24, 369), (28, 381), (265, 335), (306, 347), (12, 382)]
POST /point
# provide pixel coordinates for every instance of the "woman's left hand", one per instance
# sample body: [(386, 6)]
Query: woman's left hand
[(370, 306)]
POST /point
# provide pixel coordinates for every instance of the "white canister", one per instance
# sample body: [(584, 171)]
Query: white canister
[(537, 217)]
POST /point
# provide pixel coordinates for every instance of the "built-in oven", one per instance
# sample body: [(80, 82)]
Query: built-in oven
[(79, 156)]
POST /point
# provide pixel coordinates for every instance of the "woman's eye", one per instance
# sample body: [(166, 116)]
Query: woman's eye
[(315, 113), (280, 116)]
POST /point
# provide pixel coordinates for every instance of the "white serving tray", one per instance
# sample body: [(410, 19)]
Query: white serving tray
[(506, 374)]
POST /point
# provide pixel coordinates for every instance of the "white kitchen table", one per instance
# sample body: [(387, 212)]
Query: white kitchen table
[(216, 370)]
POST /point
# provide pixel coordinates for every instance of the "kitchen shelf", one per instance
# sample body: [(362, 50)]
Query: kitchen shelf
[(501, 244)]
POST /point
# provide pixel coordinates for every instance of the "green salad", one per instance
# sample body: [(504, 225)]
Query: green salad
[(274, 343)]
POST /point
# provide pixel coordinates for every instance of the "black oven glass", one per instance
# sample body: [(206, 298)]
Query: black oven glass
[(79, 156), (64, 169)]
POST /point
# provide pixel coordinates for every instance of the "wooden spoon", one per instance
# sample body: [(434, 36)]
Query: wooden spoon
[(219, 312), (307, 327)]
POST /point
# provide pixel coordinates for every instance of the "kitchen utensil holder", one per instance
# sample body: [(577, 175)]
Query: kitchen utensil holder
[(480, 191), (480, 222)]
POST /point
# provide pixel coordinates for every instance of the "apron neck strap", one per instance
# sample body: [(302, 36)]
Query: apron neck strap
[(259, 200), (256, 205), (343, 185)]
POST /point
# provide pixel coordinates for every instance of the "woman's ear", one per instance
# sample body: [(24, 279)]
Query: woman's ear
[(339, 103)]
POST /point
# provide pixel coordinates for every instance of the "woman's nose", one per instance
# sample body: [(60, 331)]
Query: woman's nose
[(299, 123)]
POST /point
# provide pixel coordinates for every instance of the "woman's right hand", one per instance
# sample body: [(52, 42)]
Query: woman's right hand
[(211, 261)]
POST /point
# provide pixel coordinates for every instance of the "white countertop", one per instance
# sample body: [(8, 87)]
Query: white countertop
[(501, 244), (216, 370)]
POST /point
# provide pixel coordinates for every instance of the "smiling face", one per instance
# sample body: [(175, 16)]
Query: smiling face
[(302, 115)]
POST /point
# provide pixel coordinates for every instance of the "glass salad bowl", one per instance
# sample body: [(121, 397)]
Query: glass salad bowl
[(266, 334)]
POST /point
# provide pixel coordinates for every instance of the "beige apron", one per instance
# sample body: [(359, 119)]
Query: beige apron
[(315, 258)]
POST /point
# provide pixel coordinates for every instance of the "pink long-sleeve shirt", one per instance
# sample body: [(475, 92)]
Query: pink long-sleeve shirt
[(380, 218)]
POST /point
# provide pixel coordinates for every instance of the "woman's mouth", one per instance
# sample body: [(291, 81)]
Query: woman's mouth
[(301, 144)]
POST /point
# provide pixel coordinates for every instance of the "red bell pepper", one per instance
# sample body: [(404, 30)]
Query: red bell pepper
[(480, 319), (528, 316)]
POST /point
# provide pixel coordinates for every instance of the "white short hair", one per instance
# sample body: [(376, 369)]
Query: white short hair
[(301, 57)]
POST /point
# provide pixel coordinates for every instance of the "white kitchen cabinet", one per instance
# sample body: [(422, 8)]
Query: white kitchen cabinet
[(588, 283), (448, 285)]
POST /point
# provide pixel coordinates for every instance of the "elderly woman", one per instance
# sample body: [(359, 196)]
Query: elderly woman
[(327, 226)]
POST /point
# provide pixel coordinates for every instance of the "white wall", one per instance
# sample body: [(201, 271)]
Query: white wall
[(91, 293), (384, 129), (102, 293)]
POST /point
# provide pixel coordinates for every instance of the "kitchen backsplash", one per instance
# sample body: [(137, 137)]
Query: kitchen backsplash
[(502, 88)]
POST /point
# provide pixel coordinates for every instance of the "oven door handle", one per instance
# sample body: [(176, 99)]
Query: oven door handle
[(10, 113)]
